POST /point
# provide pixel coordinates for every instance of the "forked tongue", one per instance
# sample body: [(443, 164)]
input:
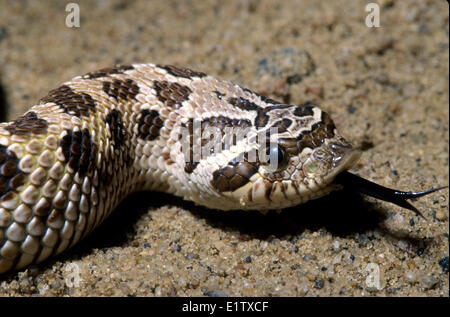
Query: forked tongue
[(369, 188)]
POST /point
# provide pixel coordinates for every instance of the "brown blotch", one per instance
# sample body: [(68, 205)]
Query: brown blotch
[(181, 71), (149, 124), (171, 94), (282, 125), (233, 176), (304, 110), (219, 123), (121, 89), (165, 156), (11, 177), (114, 121), (60, 202), (43, 209), (73, 103), (9, 169), (79, 150), (268, 190), (319, 132), (190, 167), (53, 217), (105, 72), (8, 196), (28, 124), (2, 186), (262, 117), (244, 104), (289, 145)]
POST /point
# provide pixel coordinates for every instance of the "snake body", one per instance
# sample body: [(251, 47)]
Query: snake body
[(67, 162)]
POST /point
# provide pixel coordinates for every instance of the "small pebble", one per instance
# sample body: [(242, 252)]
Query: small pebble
[(440, 215), (308, 257), (411, 277), (191, 255), (429, 282), (362, 239), (3, 33), (444, 264), (215, 293), (336, 244), (303, 289), (351, 109), (319, 283), (248, 259), (395, 221), (420, 251)]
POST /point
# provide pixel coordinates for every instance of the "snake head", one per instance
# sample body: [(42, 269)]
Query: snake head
[(308, 160), (299, 166)]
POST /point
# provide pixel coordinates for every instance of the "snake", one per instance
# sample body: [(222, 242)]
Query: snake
[(76, 154)]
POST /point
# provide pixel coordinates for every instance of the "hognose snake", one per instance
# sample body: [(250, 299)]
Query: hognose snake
[(67, 162)]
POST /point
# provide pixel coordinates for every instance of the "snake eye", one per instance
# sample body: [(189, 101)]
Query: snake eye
[(276, 157)]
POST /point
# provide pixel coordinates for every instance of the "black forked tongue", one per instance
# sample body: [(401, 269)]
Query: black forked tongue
[(369, 188)]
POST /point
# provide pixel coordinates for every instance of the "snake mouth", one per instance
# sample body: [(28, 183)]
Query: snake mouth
[(344, 157)]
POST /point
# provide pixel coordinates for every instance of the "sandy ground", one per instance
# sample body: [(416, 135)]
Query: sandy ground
[(386, 88)]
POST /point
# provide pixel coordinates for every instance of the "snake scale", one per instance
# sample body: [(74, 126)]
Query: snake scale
[(67, 162)]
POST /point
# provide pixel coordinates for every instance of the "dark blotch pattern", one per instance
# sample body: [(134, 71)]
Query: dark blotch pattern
[(11, 177), (233, 176), (218, 123), (282, 125), (76, 104), (222, 122), (171, 94), (121, 89), (28, 124), (181, 71), (79, 151), (190, 167), (149, 124), (105, 72), (118, 132), (304, 110), (262, 117), (244, 104), (320, 131), (289, 145)]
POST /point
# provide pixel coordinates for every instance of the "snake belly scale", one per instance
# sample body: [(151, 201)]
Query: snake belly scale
[(67, 162)]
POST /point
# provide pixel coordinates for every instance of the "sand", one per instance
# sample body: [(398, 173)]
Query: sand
[(386, 89)]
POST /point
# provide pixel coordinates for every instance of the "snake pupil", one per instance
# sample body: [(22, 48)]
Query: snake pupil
[(275, 151)]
